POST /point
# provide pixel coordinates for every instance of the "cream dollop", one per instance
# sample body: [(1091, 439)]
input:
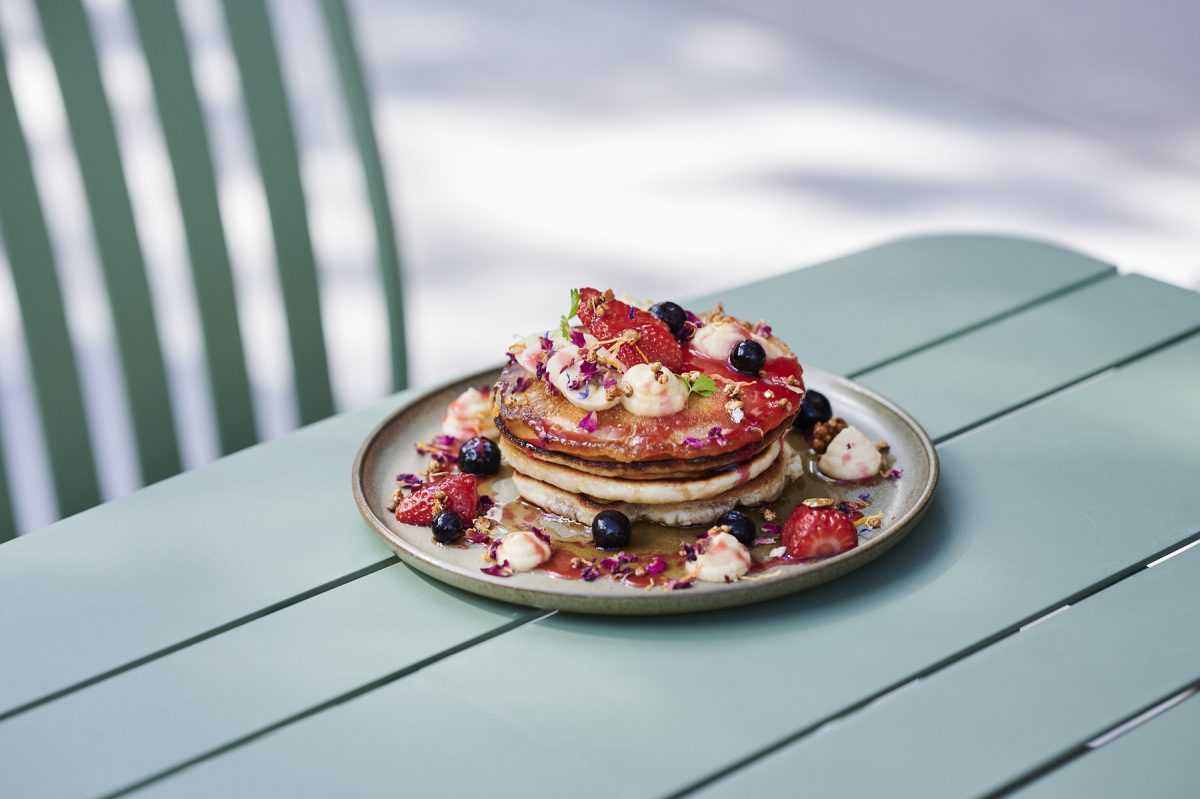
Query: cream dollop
[(523, 550), (563, 369), (850, 456), (532, 348), (470, 414), (654, 391), (724, 559), (716, 339)]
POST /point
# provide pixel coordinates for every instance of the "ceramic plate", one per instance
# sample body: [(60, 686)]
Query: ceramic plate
[(389, 450)]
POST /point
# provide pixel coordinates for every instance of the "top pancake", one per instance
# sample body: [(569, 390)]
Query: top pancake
[(704, 436)]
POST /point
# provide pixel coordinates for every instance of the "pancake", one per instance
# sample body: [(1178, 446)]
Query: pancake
[(643, 470), (653, 492), (767, 487), (532, 411)]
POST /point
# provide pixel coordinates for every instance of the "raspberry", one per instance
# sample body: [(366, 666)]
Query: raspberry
[(818, 532), (459, 499)]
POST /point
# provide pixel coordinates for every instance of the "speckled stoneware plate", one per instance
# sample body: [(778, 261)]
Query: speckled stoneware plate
[(389, 450)]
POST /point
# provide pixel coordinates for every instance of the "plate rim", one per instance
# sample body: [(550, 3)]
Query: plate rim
[(743, 592)]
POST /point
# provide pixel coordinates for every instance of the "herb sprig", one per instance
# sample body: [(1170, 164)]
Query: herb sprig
[(703, 385), (564, 325)]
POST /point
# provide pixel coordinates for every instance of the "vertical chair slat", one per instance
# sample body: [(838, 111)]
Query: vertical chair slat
[(183, 128), (52, 356), (8, 522), (341, 37), (271, 128), (68, 38)]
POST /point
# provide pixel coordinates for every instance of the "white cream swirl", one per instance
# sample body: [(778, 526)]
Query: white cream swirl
[(655, 391), (523, 550)]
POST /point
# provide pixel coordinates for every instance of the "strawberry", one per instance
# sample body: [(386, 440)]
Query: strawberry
[(818, 532), (617, 316), (417, 507), (653, 345), (655, 342)]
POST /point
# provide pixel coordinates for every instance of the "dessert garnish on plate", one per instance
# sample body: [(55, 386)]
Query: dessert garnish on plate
[(626, 419)]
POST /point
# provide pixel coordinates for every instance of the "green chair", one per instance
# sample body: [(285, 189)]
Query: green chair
[(55, 381)]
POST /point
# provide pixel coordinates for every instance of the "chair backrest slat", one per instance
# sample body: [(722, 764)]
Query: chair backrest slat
[(341, 37), (69, 40), (274, 141), (186, 137), (51, 353), (8, 522)]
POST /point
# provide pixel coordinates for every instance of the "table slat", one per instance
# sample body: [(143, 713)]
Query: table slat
[(663, 702), (910, 293), (973, 728), (130, 579), (1157, 758), (249, 678), (998, 367)]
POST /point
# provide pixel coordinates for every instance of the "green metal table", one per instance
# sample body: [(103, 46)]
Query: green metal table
[(240, 631)]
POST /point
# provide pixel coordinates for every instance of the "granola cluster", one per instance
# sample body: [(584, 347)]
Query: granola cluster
[(824, 432)]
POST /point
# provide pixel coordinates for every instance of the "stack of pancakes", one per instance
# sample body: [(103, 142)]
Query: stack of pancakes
[(647, 468)]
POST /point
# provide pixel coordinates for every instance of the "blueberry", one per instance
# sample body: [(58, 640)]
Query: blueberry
[(479, 455), (815, 408), (447, 527), (740, 526), (747, 356), (611, 529), (671, 314)]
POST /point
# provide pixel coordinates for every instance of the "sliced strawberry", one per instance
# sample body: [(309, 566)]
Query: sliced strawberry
[(818, 532), (655, 342), (653, 345), (459, 490)]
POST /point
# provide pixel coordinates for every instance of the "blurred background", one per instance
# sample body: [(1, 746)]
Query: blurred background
[(666, 148)]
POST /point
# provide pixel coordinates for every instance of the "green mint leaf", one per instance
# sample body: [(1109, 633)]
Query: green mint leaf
[(565, 328), (574, 304), (704, 386)]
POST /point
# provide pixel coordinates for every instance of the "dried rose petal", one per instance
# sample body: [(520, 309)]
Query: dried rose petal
[(657, 565), (577, 338), (695, 442), (499, 570), (588, 422)]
